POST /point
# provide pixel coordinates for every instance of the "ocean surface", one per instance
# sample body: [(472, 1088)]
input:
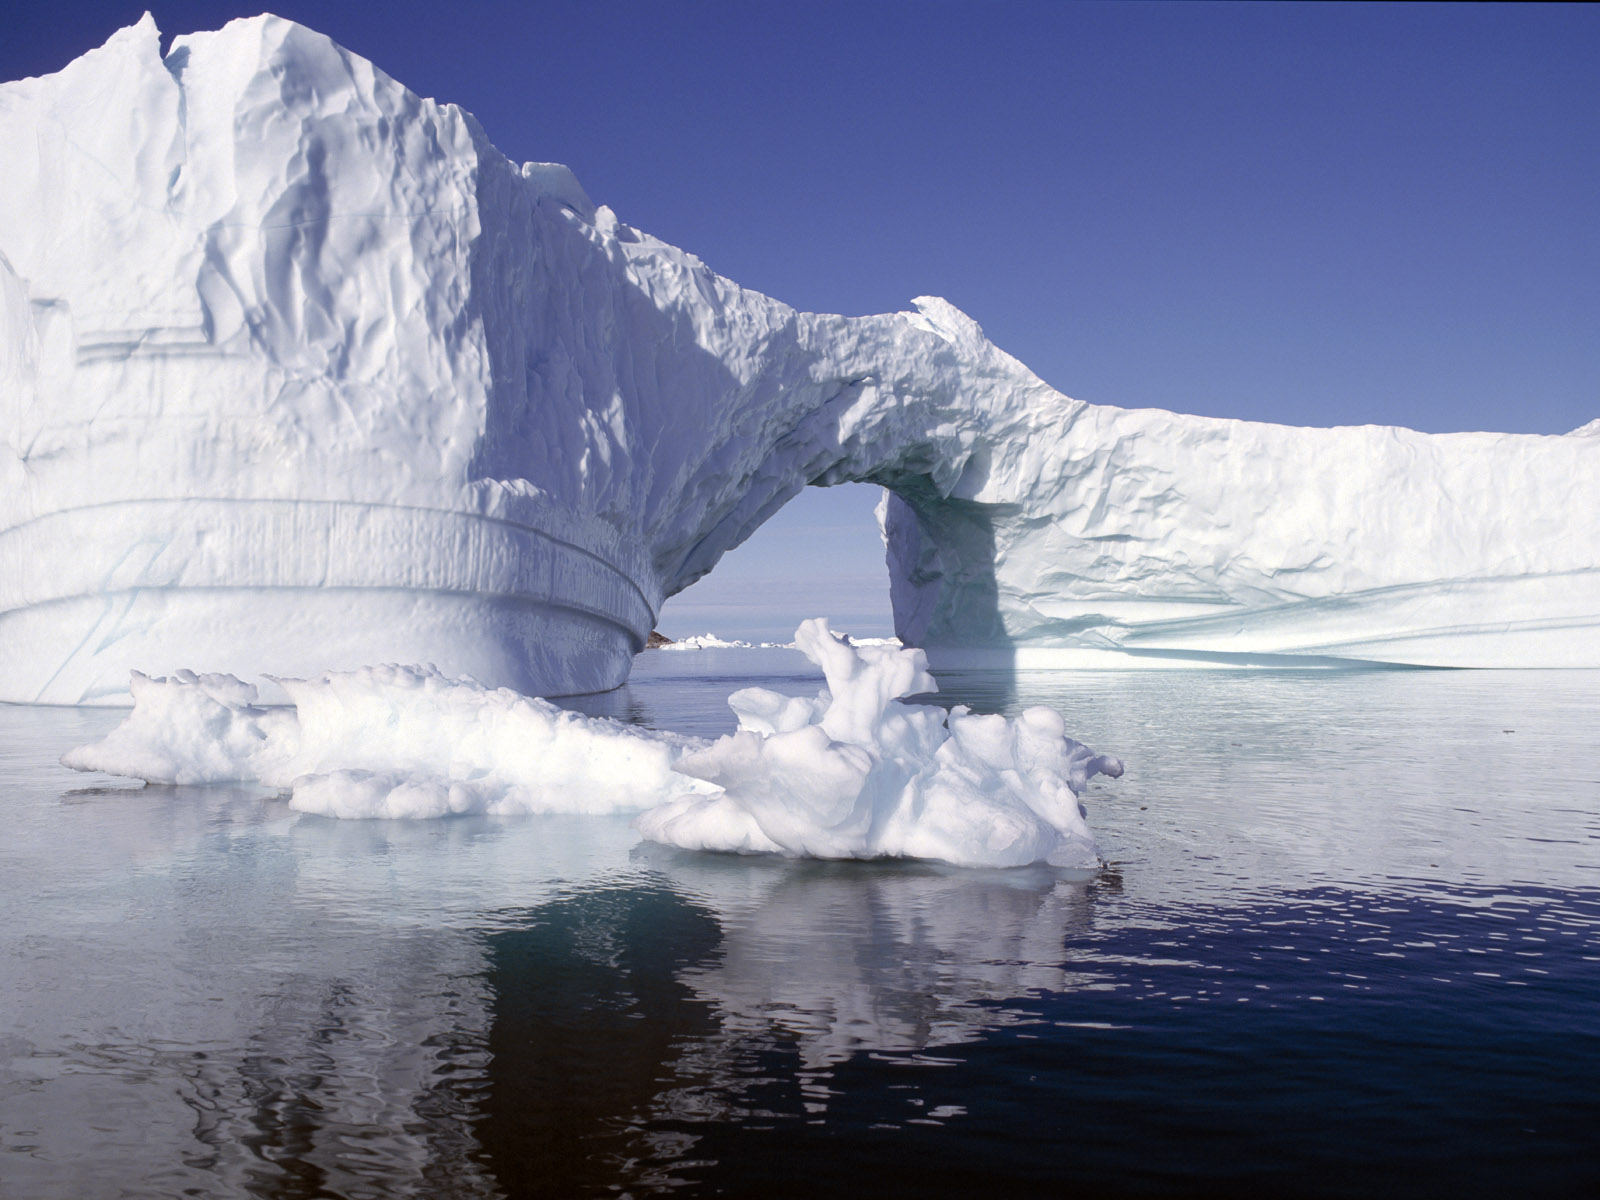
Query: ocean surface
[(1348, 944)]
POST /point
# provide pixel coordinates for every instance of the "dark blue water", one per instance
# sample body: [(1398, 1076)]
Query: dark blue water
[(1349, 944)]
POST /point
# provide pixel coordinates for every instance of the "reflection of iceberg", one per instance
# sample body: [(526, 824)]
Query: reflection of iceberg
[(188, 1012), (851, 773), (309, 376)]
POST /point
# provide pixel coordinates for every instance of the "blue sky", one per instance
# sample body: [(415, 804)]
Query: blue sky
[(1320, 214)]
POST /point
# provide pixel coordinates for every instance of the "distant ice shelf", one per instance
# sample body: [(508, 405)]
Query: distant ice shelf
[(710, 641), (298, 372)]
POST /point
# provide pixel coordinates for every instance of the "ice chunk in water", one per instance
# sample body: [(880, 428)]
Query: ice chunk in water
[(857, 774), (850, 773)]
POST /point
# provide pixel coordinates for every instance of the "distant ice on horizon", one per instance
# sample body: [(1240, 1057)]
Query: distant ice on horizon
[(710, 641)]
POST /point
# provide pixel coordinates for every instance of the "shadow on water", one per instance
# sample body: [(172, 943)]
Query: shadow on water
[(982, 691), (1007, 690)]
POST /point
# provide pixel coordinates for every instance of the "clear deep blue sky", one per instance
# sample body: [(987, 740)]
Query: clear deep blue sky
[(1319, 214)]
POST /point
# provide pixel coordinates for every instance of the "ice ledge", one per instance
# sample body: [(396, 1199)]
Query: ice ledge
[(481, 593)]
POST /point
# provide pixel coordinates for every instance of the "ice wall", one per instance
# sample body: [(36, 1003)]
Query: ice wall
[(297, 372)]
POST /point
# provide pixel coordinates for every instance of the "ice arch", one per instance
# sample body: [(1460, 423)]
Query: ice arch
[(297, 371)]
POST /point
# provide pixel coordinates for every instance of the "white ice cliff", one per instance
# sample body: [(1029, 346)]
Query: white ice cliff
[(298, 372)]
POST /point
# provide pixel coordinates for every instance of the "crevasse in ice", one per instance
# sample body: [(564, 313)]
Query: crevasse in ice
[(298, 372)]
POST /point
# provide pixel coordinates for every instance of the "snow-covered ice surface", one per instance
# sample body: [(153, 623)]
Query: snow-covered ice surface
[(388, 742), (298, 372), (850, 773)]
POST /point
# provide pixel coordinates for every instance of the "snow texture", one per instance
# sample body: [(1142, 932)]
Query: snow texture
[(851, 773), (389, 741), (298, 372)]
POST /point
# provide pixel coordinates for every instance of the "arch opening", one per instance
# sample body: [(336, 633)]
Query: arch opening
[(821, 554)]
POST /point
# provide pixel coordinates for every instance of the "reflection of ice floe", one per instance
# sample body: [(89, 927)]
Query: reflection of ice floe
[(850, 773), (189, 1010), (588, 1018), (853, 774), (891, 959), (244, 1063)]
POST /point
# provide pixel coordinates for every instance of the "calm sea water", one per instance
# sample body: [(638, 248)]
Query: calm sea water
[(1349, 944)]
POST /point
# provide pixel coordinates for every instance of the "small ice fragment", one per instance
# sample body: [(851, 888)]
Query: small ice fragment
[(857, 774), (390, 741)]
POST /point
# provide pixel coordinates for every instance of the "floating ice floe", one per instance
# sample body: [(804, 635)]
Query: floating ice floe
[(854, 774), (849, 773), (389, 741)]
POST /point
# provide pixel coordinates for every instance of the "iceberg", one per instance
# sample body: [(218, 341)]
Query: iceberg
[(849, 774), (299, 373)]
